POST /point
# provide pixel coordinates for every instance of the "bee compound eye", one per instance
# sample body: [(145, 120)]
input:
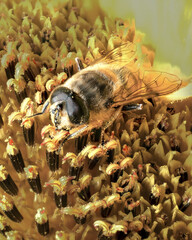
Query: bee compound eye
[(77, 109), (60, 94)]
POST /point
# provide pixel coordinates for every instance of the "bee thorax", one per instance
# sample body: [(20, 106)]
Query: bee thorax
[(94, 87)]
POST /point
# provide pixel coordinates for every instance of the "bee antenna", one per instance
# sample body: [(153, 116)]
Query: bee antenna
[(45, 105)]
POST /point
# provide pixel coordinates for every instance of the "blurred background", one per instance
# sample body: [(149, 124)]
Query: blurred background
[(166, 26)]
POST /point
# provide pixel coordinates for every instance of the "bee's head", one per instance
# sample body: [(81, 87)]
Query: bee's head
[(67, 108)]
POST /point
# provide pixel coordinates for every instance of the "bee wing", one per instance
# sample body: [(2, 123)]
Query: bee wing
[(149, 84), (123, 54)]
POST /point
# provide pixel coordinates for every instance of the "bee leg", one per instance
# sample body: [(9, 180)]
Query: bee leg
[(79, 64), (79, 131), (132, 107), (113, 118), (76, 133), (108, 123)]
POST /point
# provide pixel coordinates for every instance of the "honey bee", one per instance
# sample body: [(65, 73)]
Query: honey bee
[(95, 96)]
